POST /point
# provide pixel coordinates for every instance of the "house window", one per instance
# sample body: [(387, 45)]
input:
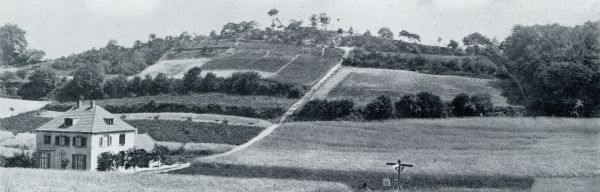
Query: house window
[(122, 139), (56, 140), (62, 140), (79, 162), (47, 139), (79, 141), (45, 160), (101, 141), (108, 140), (68, 122), (109, 121)]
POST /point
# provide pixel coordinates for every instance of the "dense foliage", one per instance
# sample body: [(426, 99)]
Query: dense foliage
[(556, 68), (475, 66), (324, 110), (422, 105), (476, 105), (23, 160), (13, 47), (244, 111)]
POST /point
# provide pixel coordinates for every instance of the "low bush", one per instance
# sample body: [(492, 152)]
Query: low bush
[(325, 110), (23, 160), (380, 108)]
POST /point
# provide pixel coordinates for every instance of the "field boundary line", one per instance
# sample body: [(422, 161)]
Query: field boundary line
[(284, 66)]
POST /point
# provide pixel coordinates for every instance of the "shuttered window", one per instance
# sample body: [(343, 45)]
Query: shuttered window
[(79, 162), (47, 139), (122, 139)]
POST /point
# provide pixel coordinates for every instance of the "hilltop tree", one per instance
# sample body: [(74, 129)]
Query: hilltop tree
[(340, 31), (294, 25), (273, 13), (410, 36), (475, 42), (351, 31), (367, 33), (213, 35), (314, 20), (386, 33), (453, 44), (324, 20)]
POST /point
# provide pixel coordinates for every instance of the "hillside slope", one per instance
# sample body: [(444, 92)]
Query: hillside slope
[(363, 85)]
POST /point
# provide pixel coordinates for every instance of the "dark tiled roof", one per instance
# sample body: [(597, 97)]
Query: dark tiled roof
[(87, 119)]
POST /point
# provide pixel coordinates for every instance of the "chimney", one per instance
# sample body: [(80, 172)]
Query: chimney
[(79, 102), (92, 103)]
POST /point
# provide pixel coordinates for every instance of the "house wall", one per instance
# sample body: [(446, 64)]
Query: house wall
[(55, 150), (96, 149), (92, 151)]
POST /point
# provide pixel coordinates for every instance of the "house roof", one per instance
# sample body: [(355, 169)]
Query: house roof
[(86, 119)]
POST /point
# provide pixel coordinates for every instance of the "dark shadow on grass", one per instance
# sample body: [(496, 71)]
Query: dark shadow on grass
[(356, 179)]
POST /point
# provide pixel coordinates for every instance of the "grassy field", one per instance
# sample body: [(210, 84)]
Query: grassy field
[(56, 180), (363, 85), (269, 60), (195, 132), (495, 153)]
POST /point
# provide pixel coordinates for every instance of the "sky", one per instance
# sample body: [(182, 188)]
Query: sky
[(63, 27)]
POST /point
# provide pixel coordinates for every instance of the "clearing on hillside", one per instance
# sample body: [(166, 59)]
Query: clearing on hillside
[(19, 106), (362, 85), (173, 68), (496, 153), (18, 179)]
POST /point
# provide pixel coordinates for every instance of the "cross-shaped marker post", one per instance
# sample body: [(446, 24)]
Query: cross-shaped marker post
[(399, 166)]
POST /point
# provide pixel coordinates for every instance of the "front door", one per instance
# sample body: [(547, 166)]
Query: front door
[(79, 162)]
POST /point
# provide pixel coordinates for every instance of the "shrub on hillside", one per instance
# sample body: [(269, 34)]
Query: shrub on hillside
[(462, 106), (380, 108), (407, 107), (325, 110), (483, 104), (430, 105)]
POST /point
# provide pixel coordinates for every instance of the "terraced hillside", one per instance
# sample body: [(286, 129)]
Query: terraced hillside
[(286, 63), (472, 153), (363, 85)]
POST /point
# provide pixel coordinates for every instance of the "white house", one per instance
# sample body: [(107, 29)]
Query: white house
[(76, 138)]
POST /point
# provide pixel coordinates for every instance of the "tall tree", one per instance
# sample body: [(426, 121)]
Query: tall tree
[(273, 14), (191, 77), (453, 44), (13, 44), (324, 20), (386, 33), (410, 36)]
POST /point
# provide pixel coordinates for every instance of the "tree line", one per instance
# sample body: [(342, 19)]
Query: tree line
[(89, 82), (420, 105)]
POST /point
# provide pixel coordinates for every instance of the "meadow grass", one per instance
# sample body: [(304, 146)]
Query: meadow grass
[(16, 179), (195, 132), (445, 152), (309, 68), (362, 85)]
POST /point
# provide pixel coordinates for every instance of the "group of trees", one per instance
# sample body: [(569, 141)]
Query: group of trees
[(556, 68), (22, 159), (421, 105), (116, 59), (89, 83), (13, 47)]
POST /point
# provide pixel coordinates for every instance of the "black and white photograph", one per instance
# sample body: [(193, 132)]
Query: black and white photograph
[(300, 95)]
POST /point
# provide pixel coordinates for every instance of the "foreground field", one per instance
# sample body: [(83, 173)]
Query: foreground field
[(55, 180), (471, 152), (363, 85)]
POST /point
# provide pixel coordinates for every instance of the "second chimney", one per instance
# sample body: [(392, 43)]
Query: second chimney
[(92, 103), (79, 103)]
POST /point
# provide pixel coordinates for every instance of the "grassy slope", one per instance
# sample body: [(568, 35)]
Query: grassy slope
[(484, 152), (55, 180), (173, 68), (308, 68), (195, 132), (363, 85), (204, 99), (24, 122)]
